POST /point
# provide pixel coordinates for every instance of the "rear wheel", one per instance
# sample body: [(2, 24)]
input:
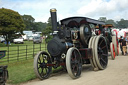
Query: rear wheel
[(101, 52), (73, 62), (42, 66)]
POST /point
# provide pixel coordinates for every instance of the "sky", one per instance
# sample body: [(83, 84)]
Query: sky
[(40, 9)]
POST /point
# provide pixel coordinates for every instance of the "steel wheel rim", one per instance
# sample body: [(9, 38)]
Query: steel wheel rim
[(73, 63), (90, 46), (101, 52), (93, 49)]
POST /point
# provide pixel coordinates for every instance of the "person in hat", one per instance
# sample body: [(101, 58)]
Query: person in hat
[(124, 44), (120, 41)]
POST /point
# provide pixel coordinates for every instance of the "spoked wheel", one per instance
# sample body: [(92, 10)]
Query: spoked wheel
[(73, 62), (112, 48), (115, 42), (42, 66), (101, 52)]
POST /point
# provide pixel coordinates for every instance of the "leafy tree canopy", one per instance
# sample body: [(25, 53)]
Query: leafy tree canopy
[(110, 21), (39, 26), (122, 23), (48, 29), (30, 23), (10, 23)]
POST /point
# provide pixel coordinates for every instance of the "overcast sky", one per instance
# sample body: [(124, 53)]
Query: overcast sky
[(39, 9)]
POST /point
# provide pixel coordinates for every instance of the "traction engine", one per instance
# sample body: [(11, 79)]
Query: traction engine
[(72, 46)]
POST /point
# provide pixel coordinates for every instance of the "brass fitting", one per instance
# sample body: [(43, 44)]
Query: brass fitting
[(53, 10)]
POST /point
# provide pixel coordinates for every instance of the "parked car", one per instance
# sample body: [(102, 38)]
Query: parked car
[(37, 39), (30, 38), (19, 40), (2, 39)]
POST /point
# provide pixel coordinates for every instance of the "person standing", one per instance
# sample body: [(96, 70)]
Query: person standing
[(120, 41), (127, 43), (124, 44)]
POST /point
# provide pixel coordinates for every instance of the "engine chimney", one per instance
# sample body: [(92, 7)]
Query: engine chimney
[(54, 20)]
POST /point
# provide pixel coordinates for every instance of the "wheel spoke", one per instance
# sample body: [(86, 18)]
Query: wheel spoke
[(101, 59), (100, 42), (39, 60), (42, 73), (75, 69), (103, 47), (75, 55), (46, 70), (39, 67), (104, 55)]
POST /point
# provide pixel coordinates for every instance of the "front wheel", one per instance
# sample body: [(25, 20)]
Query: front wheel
[(42, 65), (73, 62)]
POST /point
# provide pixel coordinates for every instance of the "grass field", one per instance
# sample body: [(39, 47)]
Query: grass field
[(20, 71)]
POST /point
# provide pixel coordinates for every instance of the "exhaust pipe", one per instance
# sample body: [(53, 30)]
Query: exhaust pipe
[(54, 21)]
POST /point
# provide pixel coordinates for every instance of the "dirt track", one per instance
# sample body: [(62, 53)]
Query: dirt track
[(116, 73)]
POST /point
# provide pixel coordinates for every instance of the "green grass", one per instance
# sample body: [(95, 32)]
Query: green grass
[(21, 72)]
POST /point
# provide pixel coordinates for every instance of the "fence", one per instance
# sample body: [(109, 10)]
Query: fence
[(24, 52)]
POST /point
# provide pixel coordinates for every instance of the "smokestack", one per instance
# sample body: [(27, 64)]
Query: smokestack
[(54, 20)]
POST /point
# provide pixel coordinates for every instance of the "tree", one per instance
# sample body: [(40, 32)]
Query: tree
[(39, 26), (28, 21), (110, 21), (48, 29), (10, 23), (122, 23)]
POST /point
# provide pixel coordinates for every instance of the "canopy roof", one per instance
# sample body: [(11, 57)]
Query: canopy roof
[(77, 21)]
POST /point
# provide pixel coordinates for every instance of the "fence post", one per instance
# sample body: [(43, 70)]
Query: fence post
[(40, 46), (45, 45), (33, 50), (26, 52), (8, 54), (18, 53)]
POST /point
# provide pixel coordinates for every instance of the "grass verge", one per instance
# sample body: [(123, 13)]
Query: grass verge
[(20, 72)]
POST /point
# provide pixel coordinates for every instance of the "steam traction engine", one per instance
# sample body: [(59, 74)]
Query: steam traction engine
[(111, 38), (72, 46)]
